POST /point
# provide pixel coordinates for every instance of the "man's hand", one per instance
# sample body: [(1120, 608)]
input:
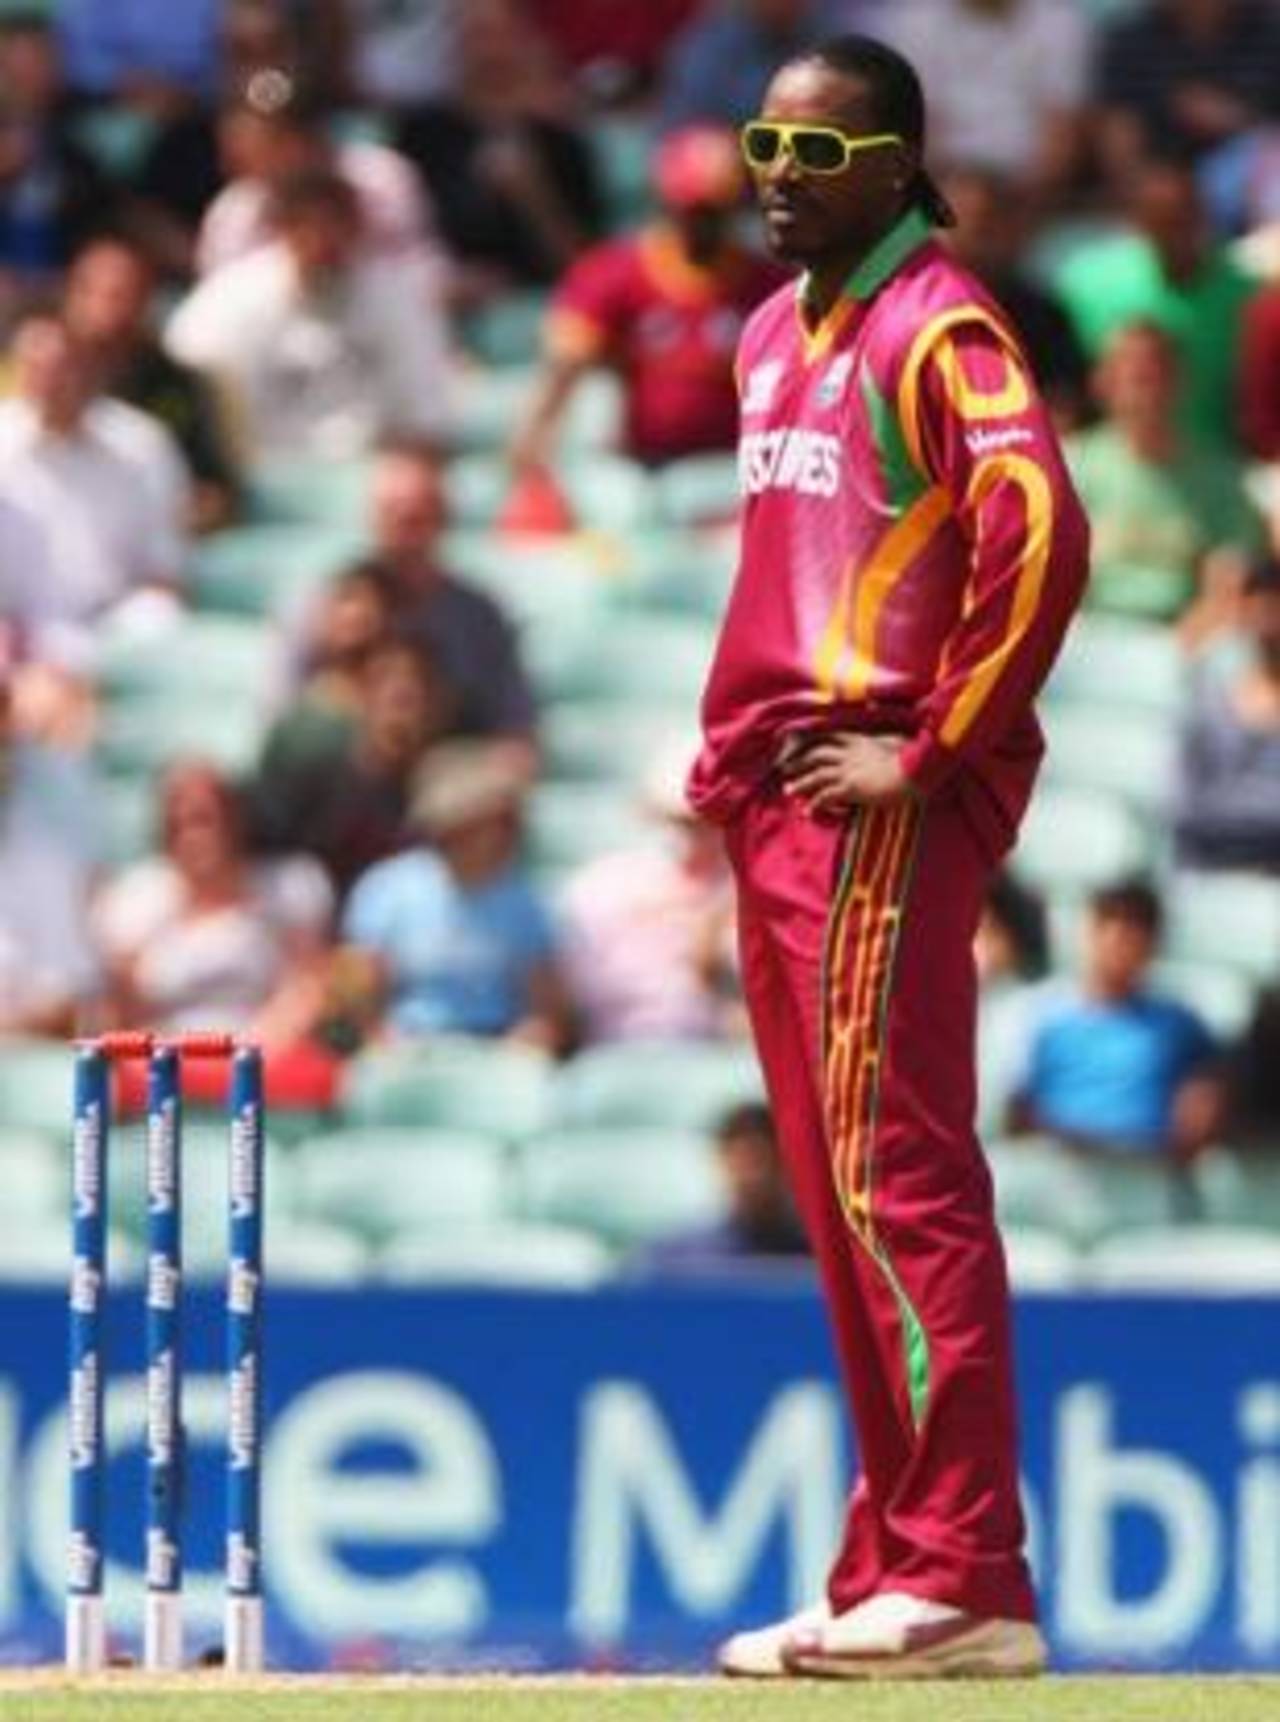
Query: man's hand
[(832, 773)]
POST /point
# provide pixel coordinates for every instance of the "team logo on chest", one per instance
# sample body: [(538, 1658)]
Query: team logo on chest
[(834, 382), (762, 386)]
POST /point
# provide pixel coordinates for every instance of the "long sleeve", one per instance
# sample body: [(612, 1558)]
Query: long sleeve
[(976, 426)]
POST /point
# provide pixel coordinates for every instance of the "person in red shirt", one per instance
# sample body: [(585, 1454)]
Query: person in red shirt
[(663, 308), (912, 551)]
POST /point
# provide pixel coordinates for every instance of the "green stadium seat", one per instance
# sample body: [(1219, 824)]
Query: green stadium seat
[(128, 818), (623, 149), (648, 658), (630, 1186), (312, 493), (140, 736), (305, 1253), (39, 1253), (1108, 662), (1075, 839), (567, 824), (259, 570), (115, 136), (586, 742), (34, 1178), (1203, 1260), (220, 656), (698, 490), (679, 1084), (549, 1258), (1235, 1188), (682, 572), (384, 1180), (1082, 1199), (1115, 750), (1230, 919), (35, 1087), (489, 1087), (508, 331), (1040, 1260)]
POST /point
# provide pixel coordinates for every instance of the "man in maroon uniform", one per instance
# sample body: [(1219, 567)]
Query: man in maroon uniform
[(912, 551)]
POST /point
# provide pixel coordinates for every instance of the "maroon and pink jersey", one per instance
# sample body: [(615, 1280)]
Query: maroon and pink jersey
[(912, 547)]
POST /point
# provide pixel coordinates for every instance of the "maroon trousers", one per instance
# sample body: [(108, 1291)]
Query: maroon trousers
[(858, 969)]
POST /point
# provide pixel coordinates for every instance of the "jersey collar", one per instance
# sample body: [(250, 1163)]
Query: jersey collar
[(904, 238)]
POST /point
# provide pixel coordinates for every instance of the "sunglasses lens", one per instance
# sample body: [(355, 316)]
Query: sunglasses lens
[(819, 152), (761, 144)]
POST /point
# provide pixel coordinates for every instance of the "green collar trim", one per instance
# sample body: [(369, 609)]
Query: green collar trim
[(906, 236)]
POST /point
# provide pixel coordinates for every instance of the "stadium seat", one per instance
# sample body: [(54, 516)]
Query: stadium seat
[(682, 572), (312, 493), (699, 490), (306, 1253), (583, 741), (262, 569), (128, 818), (39, 1253), (1188, 1259), (1083, 1198), (1109, 662), (140, 736), (380, 1181), (507, 331), (1221, 995), (1227, 918), (1075, 839), (498, 1090), (680, 1084), (569, 823), (1040, 1261), (1114, 749), (623, 148), (551, 1258), (35, 1087), (217, 656), (33, 1178), (631, 1186), (1237, 1188), (645, 657)]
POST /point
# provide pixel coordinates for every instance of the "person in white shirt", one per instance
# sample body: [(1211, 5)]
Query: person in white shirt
[(102, 482), (1007, 82), (317, 350)]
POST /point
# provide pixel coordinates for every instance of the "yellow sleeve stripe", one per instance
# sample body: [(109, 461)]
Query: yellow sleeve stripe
[(1038, 499), (570, 335), (1013, 397)]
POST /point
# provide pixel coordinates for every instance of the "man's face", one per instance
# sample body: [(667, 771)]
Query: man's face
[(408, 506), (988, 231), (1138, 377), (108, 292), (49, 374), (1119, 950), (321, 240), (29, 74), (810, 217), (1167, 208)]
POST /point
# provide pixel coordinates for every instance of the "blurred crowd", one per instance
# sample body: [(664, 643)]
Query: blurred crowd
[(366, 501)]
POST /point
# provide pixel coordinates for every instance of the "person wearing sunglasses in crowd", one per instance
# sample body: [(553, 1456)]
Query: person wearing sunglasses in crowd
[(912, 551)]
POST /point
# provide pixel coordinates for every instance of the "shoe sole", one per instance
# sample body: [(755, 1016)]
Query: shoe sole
[(987, 1652)]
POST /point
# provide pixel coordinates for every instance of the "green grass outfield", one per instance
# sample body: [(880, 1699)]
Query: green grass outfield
[(47, 1699)]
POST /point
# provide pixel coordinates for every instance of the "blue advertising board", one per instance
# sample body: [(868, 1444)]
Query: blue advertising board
[(617, 1478)]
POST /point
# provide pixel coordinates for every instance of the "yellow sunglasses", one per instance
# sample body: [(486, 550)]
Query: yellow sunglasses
[(814, 149)]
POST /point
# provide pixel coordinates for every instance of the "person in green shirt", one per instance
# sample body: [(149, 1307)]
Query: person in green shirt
[(1167, 270), (1165, 507)]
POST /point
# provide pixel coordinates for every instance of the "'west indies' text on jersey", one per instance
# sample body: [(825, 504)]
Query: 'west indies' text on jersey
[(912, 548)]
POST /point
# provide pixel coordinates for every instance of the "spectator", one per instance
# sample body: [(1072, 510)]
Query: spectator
[(648, 928), (104, 482), (1164, 507), (107, 308), (989, 237), (271, 132), (402, 54), (462, 941), (1006, 82), (350, 621), (616, 50), (1167, 270), (181, 172), (51, 194), (319, 351), (719, 67), (1112, 1065), (760, 1222), (47, 850), (1228, 806), (663, 308), (512, 178), (1011, 951), (461, 627), (136, 49), (1260, 374), (1189, 75), (200, 936), (341, 792), (1256, 1086)]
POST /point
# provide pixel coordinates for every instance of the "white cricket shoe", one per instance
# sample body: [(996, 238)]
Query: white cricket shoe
[(757, 1655), (895, 1636)]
